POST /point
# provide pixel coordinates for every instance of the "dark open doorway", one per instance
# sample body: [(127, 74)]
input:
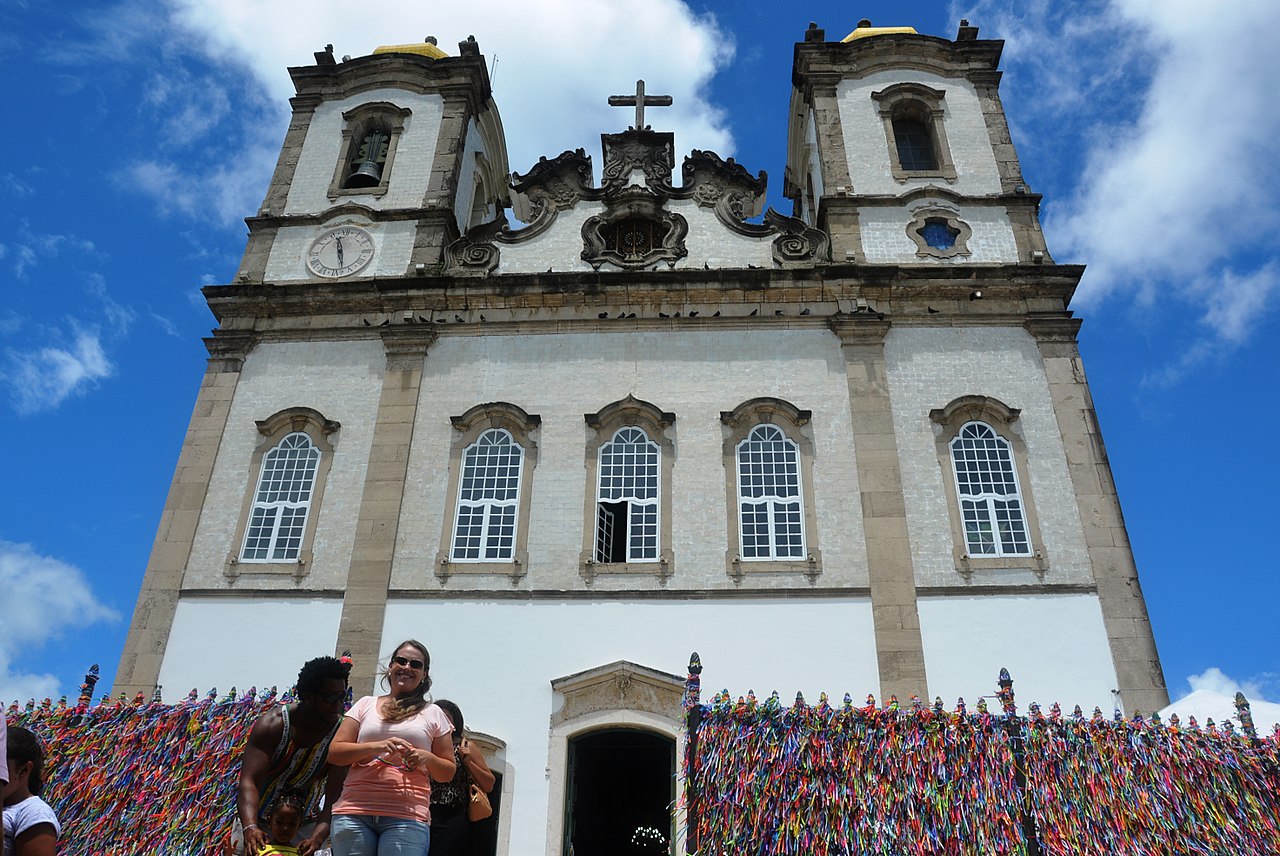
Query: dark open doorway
[(620, 780)]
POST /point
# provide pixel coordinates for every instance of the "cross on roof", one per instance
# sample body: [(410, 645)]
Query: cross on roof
[(640, 101)]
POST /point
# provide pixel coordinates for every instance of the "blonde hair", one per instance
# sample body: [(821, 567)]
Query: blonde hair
[(400, 709)]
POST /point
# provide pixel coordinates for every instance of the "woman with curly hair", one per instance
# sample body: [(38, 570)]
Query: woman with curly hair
[(395, 744)]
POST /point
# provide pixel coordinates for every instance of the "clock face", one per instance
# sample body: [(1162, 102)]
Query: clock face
[(340, 251)]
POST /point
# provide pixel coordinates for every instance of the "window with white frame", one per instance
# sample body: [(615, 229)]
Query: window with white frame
[(990, 501), (770, 508), (282, 501), (627, 498), (488, 499)]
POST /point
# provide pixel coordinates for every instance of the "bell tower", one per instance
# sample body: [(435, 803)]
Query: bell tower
[(898, 147), (387, 159)]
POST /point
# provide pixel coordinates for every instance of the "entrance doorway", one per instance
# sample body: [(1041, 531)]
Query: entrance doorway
[(620, 781)]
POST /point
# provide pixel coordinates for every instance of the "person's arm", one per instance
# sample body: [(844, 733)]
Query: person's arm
[(39, 839), (332, 790), (263, 737), (438, 762), (345, 751), (473, 760)]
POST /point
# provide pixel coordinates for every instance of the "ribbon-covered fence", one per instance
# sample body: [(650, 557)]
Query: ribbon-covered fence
[(143, 777), (763, 779)]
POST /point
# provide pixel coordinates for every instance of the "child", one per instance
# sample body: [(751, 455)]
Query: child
[(284, 819), (30, 826)]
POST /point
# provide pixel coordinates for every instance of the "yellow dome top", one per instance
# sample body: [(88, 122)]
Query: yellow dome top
[(865, 29), (426, 48)]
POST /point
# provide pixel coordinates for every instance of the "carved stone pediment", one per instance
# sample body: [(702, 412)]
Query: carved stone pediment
[(651, 152), (636, 230), (713, 181), (619, 686), (634, 233), (553, 185)]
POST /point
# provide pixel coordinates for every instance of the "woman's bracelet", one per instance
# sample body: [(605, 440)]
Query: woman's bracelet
[(251, 826)]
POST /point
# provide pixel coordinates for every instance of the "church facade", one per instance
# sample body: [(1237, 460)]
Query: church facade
[(847, 448)]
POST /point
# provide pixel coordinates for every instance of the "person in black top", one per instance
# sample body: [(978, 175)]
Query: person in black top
[(450, 826)]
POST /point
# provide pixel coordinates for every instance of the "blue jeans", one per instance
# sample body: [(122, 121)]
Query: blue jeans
[(376, 835)]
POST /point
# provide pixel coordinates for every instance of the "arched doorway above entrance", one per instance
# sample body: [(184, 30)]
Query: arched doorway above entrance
[(616, 733)]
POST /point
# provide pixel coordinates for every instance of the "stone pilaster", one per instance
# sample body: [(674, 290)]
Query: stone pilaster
[(139, 668), (1124, 611), (364, 604), (896, 618), (826, 119)]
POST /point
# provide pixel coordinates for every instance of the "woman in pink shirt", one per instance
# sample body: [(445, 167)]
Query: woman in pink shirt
[(395, 745)]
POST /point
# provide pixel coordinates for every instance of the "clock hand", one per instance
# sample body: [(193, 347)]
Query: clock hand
[(337, 242)]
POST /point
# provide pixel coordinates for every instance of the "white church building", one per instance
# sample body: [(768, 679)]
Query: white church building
[(849, 448)]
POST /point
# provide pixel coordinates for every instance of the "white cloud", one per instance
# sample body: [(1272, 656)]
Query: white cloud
[(1255, 689), (1172, 105), (43, 598), (31, 248), (554, 58), (43, 378), (221, 191)]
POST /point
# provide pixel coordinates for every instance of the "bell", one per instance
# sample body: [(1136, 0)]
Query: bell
[(368, 174), (372, 150)]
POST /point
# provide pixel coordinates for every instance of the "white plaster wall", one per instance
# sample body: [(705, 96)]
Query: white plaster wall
[(709, 242), (411, 169), (695, 374), (558, 248), (928, 367), (815, 169), (497, 660), (1054, 646), (342, 380), (237, 641), (392, 249), (466, 189), (885, 238), (867, 146)]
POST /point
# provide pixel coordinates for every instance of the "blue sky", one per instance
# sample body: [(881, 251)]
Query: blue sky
[(141, 133)]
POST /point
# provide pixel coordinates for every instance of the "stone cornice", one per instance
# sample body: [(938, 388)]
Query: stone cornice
[(466, 76), (940, 295), (815, 63)]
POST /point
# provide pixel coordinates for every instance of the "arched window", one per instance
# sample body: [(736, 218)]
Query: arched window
[(627, 505), (627, 523), (771, 512), (491, 463), (282, 501), (768, 465), (914, 117), (991, 506), (488, 499)]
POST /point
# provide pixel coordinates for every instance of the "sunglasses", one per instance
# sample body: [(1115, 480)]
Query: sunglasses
[(333, 697), (405, 661)]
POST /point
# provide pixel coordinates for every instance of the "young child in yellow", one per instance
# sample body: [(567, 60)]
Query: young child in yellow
[(284, 821)]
